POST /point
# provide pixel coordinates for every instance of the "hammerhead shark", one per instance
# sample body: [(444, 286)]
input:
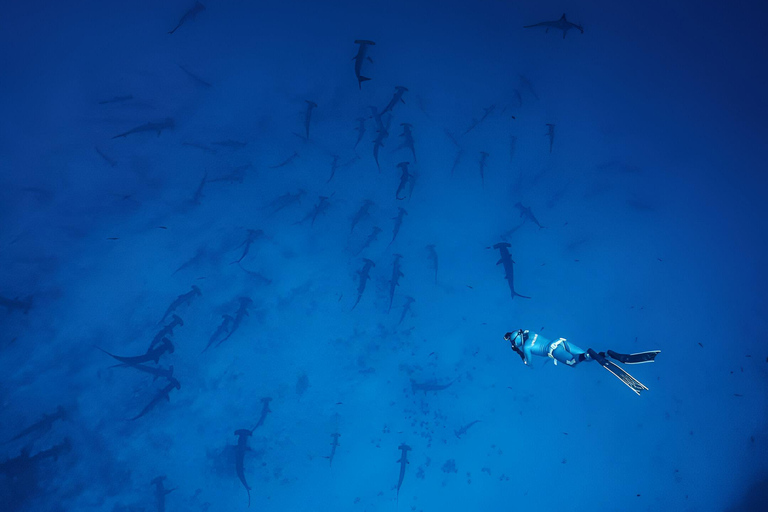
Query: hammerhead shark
[(311, 105), (321, 206), (527, 214), (251, 236), (372, 237), (463, 430), (285, 162), (407, 139), (395, 281), (359, 58), (189, 15), (405, 178), (483, 157), (396, 98), (151, 355), (508, 264), (403, 460), (43, 425), (160, 492), (158, 127), (184, 298), (360, 131), (242, 312), (242, 446), (167, 330), (15, 304), (223, 328), (361, 214), (363, 275), (265, 410), (551, 134), (561, 24), (428, 386), (163, 394), (401, 213), (406, 308), (432, 257), (334, 445), (334, 166), (286, 200), (156, 372), (476, 122)]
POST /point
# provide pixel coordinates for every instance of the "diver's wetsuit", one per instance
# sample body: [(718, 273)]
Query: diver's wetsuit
[(560, 350)]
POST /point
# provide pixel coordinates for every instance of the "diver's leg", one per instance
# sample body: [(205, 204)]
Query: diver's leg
[(640, 357), (561, 354), (617, 372)]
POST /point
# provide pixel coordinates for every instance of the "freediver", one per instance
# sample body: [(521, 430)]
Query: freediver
[(527, 345)]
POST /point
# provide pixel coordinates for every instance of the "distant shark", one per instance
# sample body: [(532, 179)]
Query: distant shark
[(403, 460), (166, 124), (561, 24), (508, 264), (361, 57), (190, 15)]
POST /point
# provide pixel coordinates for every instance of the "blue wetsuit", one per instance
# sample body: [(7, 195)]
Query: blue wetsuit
[(527, 345)]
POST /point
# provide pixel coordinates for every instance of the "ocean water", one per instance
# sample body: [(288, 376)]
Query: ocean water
[(243, 198)]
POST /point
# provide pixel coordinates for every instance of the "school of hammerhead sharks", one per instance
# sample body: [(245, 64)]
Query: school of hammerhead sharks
[(372, 127)]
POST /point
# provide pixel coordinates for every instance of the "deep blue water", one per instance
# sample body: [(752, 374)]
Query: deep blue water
[(651, 192)]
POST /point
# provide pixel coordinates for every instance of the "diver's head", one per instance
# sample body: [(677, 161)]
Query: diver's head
[(513, 336)]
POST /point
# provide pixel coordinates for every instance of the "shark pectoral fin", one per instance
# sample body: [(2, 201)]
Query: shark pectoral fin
[(370, 60)]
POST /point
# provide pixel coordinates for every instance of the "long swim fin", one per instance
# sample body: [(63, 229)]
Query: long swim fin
[(640, 357), (617, 372)]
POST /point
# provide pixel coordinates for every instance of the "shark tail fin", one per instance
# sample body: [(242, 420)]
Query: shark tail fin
[(362, 79)]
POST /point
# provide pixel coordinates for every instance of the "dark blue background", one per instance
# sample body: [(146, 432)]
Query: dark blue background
[(653, 201)]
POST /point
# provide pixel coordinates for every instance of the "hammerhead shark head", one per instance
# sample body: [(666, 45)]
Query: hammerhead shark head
[(395, 281), (158, 127), (561, 24), (401, 213), (189, 15), (396, 98), (405, 178), (408, 139), (403, 460), (43, 425), (160, 492), (163, 394), (432, 257), (361, 214), (242, 446), (508, 264), (334, 445), (184, 298), (363, 275), (372, 237), (527, 214), (151, 355), (359, 58)]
